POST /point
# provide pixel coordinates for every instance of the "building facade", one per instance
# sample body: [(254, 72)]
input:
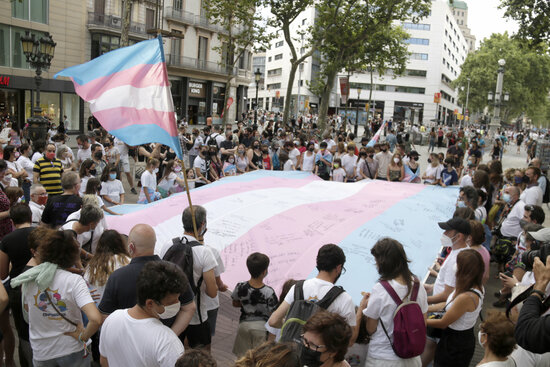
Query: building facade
[(64, 20), (460, 12), (438, 49)]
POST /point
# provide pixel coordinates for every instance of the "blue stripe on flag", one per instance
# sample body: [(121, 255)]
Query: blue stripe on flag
[(145, 52), (142, 134)]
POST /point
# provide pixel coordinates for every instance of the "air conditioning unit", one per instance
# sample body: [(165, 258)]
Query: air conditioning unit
[(115, 21)]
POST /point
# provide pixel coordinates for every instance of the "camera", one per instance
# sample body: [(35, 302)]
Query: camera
[(528, 257)]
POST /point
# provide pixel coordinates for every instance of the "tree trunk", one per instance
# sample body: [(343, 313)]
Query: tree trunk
[(126, 16), (288, 97), (226, 98), (325, 99)]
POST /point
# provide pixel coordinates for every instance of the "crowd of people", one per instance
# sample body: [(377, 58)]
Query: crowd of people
[(81, 293)]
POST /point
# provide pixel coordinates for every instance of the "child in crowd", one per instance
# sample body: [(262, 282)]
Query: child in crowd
[(286, 162), (229, 167), (112, 191), (149, 192), (94, 187), (338, 174), (257, 301)]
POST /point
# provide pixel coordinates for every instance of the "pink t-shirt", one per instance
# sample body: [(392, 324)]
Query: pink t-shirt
[(486, 260)]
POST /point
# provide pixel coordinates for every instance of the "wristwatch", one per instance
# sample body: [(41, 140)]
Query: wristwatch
[(539, 293)]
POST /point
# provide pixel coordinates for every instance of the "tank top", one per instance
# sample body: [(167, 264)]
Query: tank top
[(242, 163), (308, 162), (257, 160), (468, 319), (266, 162)]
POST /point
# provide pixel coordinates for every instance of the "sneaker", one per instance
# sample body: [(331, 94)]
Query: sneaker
[(133, 190), (500, 303)]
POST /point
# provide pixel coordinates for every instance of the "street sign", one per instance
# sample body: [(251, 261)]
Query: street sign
[(437, 97), (277, 94)]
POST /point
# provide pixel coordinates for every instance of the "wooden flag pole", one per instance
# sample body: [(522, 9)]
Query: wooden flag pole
[(195, 231)]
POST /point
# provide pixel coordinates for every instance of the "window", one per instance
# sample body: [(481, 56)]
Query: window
[(274, 86), (414, 90), (178, 5), (303, 22), (11, 50), (275, 72), (279, 44), (149, 18), (447, 17), (418, 41), (269, 59), (278, 57), (175, 46), (415, 26), (301, 83), (203, 48), (444, 61), (33, 10), (421, 73), (103, 43), (418, 56)]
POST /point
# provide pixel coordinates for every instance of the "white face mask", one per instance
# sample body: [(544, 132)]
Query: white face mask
[(170, 311), (156, 170), (396, 160), (446, 240), (479, 334)]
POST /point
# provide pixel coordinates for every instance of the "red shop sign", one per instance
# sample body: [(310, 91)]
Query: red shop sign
[(4, 80)]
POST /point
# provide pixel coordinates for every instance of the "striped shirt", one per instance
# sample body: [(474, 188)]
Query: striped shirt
[(49, 173)]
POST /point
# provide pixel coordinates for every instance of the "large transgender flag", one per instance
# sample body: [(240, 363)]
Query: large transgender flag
[(290, 215), (129, 94)]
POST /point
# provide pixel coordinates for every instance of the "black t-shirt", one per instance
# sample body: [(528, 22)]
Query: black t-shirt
[(59, 207), (121, 292), (15, 245), (475, 153), (227, 144)]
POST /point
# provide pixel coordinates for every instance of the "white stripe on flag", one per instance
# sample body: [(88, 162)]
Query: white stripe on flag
[(154, 97)]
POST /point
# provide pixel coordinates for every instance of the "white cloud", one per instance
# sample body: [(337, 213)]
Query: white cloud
[(484, 19)]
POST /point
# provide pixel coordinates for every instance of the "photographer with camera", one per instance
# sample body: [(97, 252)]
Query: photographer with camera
[(533, 326)]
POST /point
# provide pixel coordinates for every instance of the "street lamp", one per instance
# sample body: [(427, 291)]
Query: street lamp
[(357, 113), (467, 97), (257, 77), (39, 54), (495, 121)]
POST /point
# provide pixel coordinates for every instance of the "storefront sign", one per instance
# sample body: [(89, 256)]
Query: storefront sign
[(4, 80), (197, 89)]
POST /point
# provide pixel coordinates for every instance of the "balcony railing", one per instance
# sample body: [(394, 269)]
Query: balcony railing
[(208, 66), (114, 22), (198, 21), (181, 15)]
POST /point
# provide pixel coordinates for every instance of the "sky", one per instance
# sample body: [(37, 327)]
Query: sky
[(484, 19)]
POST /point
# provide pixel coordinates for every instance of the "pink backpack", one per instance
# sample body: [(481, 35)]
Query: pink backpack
[(409, 327)]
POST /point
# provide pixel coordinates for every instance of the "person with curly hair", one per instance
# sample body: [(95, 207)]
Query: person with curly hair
[(55, 300), (196, 358), (136, 336), (271, 354), (496, 336)]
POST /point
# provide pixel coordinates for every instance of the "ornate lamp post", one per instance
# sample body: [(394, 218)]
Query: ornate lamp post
[(495, 121), (39, 54), (257, 77)]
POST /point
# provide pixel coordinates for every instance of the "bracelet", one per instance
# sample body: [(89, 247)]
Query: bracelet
[(80, 337), (539, 293)]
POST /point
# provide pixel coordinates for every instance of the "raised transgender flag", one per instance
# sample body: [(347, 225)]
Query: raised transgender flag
[(129, 94), (376, 136)]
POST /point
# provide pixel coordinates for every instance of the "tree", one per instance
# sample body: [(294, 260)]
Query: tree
[(245, 29), (285, 13), (533, 17), (347, 28), (526, 76)]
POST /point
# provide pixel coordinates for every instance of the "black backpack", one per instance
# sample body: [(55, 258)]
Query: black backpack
[(546, 197), (212, 140), (181, 254), (301, 310)]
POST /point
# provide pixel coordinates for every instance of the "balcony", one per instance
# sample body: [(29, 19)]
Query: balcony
[(179, 15), (206, 66), (197, 21), (98, 21)]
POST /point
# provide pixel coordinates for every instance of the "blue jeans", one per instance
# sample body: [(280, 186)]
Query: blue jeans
[(70, 360)]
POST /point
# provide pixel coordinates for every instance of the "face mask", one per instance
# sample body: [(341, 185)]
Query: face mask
[(42, 200), (506, 198), (525, 179), (371, 156), (429, 160), (241, 151), (446, 241), (523, 222), (310, 357), (336, 165), (231, 161), (396, 160), (204, 152), (50, 156), (17, 154), (517, 180), (383, 149), (311, 149), (170, 311), (460, 204), (203, 231), (112, 176), (98, 155), (177, 169), (93, 172), (155, 171), (479, 334)]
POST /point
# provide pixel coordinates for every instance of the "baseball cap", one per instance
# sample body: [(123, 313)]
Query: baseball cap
[(458, 224), (542, 235)]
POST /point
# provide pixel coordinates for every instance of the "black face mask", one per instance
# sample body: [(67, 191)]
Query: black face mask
[(383, 149), (429, 160), (371, 156), (98, 155), (204, 152), (256, 147), (311, 149), (93, 172), (310, 357)]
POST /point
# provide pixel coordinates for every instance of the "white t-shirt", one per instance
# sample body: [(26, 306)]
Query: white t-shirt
[(200, 163), (338, 174), (110, 155), (83, 183), (293, 156), (315, 289), (122, 148), (308, 162), (36, 156), (466, 181), (27, 165), (36, 210), (112, 189), (85, 237), (203, 261), (84, 154), (126, 341), (214, 303), (168, 182), (510, 226), (433, 171), (289, 165), (382, 307), (348, 164), (383, 159), (69, 293), (447, 273), (530, 196)]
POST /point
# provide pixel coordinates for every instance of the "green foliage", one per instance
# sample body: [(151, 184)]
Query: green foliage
[(526, 76), (533, 17)]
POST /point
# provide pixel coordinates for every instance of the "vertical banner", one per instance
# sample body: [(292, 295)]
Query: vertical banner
[(344, 89), (229, 103)]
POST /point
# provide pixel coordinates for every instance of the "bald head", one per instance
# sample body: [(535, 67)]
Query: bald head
[(513, 191), (535, 163), (141, 240)]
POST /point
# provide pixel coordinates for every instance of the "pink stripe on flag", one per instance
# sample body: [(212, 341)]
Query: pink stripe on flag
[(139, 76), (174, 206), (291, 239), (121, 117)]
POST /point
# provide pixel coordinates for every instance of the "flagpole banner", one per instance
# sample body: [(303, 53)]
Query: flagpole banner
[(290, 215), (129, 93), (376, 136)]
